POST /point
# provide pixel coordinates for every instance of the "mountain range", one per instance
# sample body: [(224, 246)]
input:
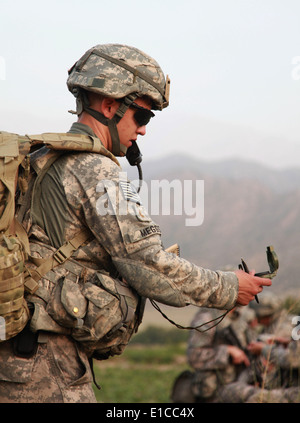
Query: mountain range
[(247, 206)]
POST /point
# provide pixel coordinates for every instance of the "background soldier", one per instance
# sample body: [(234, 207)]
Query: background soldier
[(277, 354), (219, 355)]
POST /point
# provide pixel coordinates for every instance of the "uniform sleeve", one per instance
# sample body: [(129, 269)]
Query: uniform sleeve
[(113, 211), (202, 352)]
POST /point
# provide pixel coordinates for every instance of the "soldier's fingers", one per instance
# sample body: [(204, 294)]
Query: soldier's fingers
[(246, 361), (263, 281), (260, 288)]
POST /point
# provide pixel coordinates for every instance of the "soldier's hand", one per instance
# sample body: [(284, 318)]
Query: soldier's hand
[(255, 347), (237, 355), (249, 286)]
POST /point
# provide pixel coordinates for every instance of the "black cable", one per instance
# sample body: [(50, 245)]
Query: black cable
[(140, 176), (191, 327)]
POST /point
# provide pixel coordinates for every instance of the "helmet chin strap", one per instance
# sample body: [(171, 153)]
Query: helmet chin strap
[(117, 147)]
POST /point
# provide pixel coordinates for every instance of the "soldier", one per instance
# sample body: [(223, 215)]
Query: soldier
[(84, 203), (219, 355), (277, 352)]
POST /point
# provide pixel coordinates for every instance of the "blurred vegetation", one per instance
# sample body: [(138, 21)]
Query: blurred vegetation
[(155, 354), (161, 336), (136, 384), (292, 305)]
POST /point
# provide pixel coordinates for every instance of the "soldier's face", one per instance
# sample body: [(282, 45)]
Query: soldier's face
[(128, 128)]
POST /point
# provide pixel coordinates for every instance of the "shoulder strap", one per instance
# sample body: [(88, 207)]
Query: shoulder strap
[(73, 142)]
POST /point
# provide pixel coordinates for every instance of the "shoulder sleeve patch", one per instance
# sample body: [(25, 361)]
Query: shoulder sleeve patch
[(129, 192)]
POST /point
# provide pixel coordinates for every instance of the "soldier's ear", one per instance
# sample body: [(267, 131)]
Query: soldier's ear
[(109, 106)]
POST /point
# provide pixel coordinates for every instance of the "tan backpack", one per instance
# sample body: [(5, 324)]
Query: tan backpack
[(14, 312)]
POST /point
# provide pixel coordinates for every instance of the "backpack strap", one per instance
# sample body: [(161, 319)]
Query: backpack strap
[(62, 254), (11, 153), (72, 142)]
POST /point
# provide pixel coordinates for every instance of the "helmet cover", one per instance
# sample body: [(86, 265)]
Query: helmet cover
[(117, 70)]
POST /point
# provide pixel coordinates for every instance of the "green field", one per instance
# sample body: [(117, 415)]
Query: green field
[(143, 373)]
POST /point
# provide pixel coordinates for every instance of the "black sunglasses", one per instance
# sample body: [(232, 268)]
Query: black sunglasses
[(142, 116)]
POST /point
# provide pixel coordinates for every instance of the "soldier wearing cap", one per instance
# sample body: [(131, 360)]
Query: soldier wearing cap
[(276, 351), (116, 88)]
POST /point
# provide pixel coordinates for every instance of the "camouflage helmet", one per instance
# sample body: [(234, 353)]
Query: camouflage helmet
[(117, 70), (269, 305), (120, 72)]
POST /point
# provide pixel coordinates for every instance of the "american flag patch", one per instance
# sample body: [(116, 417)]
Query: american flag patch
[(129, 191)]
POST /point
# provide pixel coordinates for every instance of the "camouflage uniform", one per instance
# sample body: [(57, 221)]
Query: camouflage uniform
[(58, 372), (279, 362), (77, 302), (130, 244), (216, 378)]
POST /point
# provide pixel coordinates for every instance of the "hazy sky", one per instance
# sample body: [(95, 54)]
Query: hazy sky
[(234, 67)]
